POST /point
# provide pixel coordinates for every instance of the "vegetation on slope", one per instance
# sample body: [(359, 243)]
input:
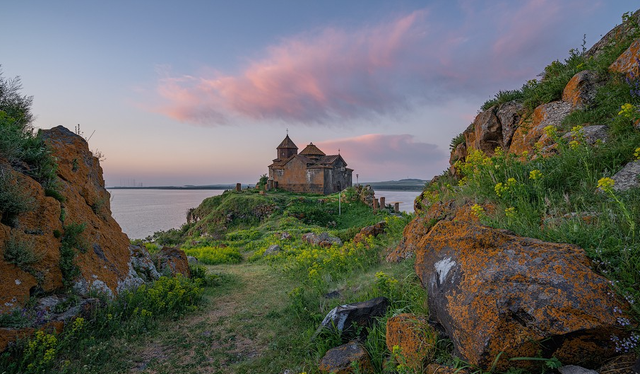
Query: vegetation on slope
[(567, 197)]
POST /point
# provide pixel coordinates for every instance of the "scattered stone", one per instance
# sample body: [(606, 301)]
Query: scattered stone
[(368, 231), (591, 134), (340, 360), (272, 250), (323, 239), (573, 369), (142, 263), (172, 261), (495, 292), (285, 236), (627, 178), (415, 338), (192, 260), (332, 295), (343, 318)]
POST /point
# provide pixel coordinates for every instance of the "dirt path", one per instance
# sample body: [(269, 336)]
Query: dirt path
[(232, 329)]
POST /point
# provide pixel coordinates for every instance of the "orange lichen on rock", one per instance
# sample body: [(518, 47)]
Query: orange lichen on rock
[(627, 63), (496, 293), (581, 89), (531, 134), (449, 210), (415, 338)]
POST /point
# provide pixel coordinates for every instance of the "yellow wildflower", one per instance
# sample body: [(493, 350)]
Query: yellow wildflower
[(510, 212), (627, 110), (551, 131), (637, 153), (511, 182), (574, 144), (500, 188), (535, 174), (477, 210), (606, 184)]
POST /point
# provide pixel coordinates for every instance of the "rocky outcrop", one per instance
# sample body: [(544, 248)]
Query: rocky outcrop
[(628, 63), (346, 359), (101, 250), (617, 34), (495, 293), (70, 242), (531, 134)]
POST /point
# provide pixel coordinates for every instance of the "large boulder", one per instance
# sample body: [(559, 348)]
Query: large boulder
[(581, 89), (499, 294), (420, 226), (485, 133)]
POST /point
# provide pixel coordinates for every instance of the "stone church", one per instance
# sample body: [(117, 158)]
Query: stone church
[(310, 171)]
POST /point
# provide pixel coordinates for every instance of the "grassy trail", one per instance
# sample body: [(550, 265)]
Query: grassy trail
[(240, 327)]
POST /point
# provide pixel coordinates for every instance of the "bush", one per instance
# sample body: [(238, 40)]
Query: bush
[(13, 199), (18, 144), (21, 253)]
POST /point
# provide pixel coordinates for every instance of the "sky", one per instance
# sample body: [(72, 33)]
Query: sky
[(202, 92)]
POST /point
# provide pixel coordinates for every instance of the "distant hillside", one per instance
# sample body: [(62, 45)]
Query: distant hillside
[(400, 185)]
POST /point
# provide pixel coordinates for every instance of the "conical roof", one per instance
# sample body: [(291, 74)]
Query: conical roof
[(287, 143), (312, 150)]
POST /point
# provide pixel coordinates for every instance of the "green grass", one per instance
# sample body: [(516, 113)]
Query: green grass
[(90, 344)]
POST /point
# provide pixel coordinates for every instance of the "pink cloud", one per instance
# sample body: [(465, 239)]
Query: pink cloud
[(335, 75), (388, 156)]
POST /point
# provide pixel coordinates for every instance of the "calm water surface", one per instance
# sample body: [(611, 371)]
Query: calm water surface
[(140, 213)]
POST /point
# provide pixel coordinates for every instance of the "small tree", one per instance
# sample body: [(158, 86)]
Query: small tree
[(262, 181)]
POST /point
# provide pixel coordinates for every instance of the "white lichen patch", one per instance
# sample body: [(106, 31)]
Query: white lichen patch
[(18, 282), (443, 267)]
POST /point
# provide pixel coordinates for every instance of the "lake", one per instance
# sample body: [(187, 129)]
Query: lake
[(142, 212)]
